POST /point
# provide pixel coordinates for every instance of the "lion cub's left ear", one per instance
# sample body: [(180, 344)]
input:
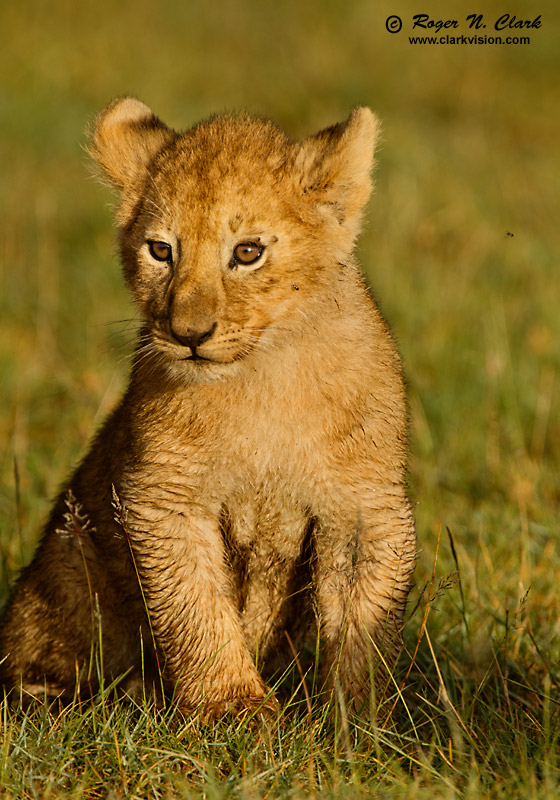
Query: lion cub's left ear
[(334, 167), (125, 138)]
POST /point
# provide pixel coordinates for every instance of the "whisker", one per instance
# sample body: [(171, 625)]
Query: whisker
[(124, 321)]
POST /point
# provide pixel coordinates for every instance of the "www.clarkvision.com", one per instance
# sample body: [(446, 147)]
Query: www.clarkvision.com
[(477, 29)]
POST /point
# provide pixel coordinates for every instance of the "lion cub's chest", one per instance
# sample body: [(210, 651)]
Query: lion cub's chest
[(265, 517), (249, 471)]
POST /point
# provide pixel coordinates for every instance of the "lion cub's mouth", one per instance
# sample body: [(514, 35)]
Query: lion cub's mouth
[(220, 350), (196, 357)]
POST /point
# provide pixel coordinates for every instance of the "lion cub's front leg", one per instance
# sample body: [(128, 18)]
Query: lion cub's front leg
[(365, 561), (188, 594)]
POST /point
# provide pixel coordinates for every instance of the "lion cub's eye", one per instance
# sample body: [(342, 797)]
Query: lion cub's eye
[(247, 253), (161, 251)]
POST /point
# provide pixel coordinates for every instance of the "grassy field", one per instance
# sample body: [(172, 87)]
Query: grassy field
[(461, 249)]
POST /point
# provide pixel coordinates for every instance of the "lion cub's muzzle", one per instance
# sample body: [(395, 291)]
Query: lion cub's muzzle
[(193, 317)]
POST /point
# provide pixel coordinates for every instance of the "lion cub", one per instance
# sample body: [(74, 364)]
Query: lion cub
[(255, 469)]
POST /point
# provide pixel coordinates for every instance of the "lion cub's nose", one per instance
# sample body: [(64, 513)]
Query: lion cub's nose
[(192, 338)]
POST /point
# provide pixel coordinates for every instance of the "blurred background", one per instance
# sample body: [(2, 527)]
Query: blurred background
[(460, 247)]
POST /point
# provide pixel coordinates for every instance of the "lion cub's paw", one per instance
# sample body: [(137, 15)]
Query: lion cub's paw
[(259, 707)]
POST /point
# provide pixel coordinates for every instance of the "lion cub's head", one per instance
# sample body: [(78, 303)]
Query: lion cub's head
[(232, 235)]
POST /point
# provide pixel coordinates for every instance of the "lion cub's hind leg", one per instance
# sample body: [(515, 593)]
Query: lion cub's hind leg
[(65, 630)]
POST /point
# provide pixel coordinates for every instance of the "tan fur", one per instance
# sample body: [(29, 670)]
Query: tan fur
[(254, 471)]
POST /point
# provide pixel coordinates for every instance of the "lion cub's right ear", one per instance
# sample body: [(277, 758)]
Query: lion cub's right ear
[(125, 138)]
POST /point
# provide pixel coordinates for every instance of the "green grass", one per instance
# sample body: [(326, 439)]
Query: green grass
[(470, 152)]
